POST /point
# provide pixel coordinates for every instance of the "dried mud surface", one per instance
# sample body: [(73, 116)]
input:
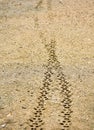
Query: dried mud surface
[(46, 65)]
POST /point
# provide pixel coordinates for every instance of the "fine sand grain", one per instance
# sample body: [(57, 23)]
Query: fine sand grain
[(46, 65)]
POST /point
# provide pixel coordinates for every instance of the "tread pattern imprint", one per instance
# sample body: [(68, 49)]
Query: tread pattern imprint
[(53, 110)]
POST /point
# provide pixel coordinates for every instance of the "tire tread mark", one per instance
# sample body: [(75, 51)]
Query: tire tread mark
[(37, 123)]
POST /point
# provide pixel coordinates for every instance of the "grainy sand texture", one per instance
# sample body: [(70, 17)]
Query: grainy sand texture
[(46, 64)]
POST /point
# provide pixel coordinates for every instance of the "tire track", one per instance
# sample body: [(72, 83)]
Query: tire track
[(64, 116)]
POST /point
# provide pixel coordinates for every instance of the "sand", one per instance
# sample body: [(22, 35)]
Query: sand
[(37, 37)]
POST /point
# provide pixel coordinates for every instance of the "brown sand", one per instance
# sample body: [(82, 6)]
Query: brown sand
[(25, 28)]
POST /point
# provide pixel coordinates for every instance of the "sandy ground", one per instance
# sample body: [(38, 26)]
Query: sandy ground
[(26, 26)]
